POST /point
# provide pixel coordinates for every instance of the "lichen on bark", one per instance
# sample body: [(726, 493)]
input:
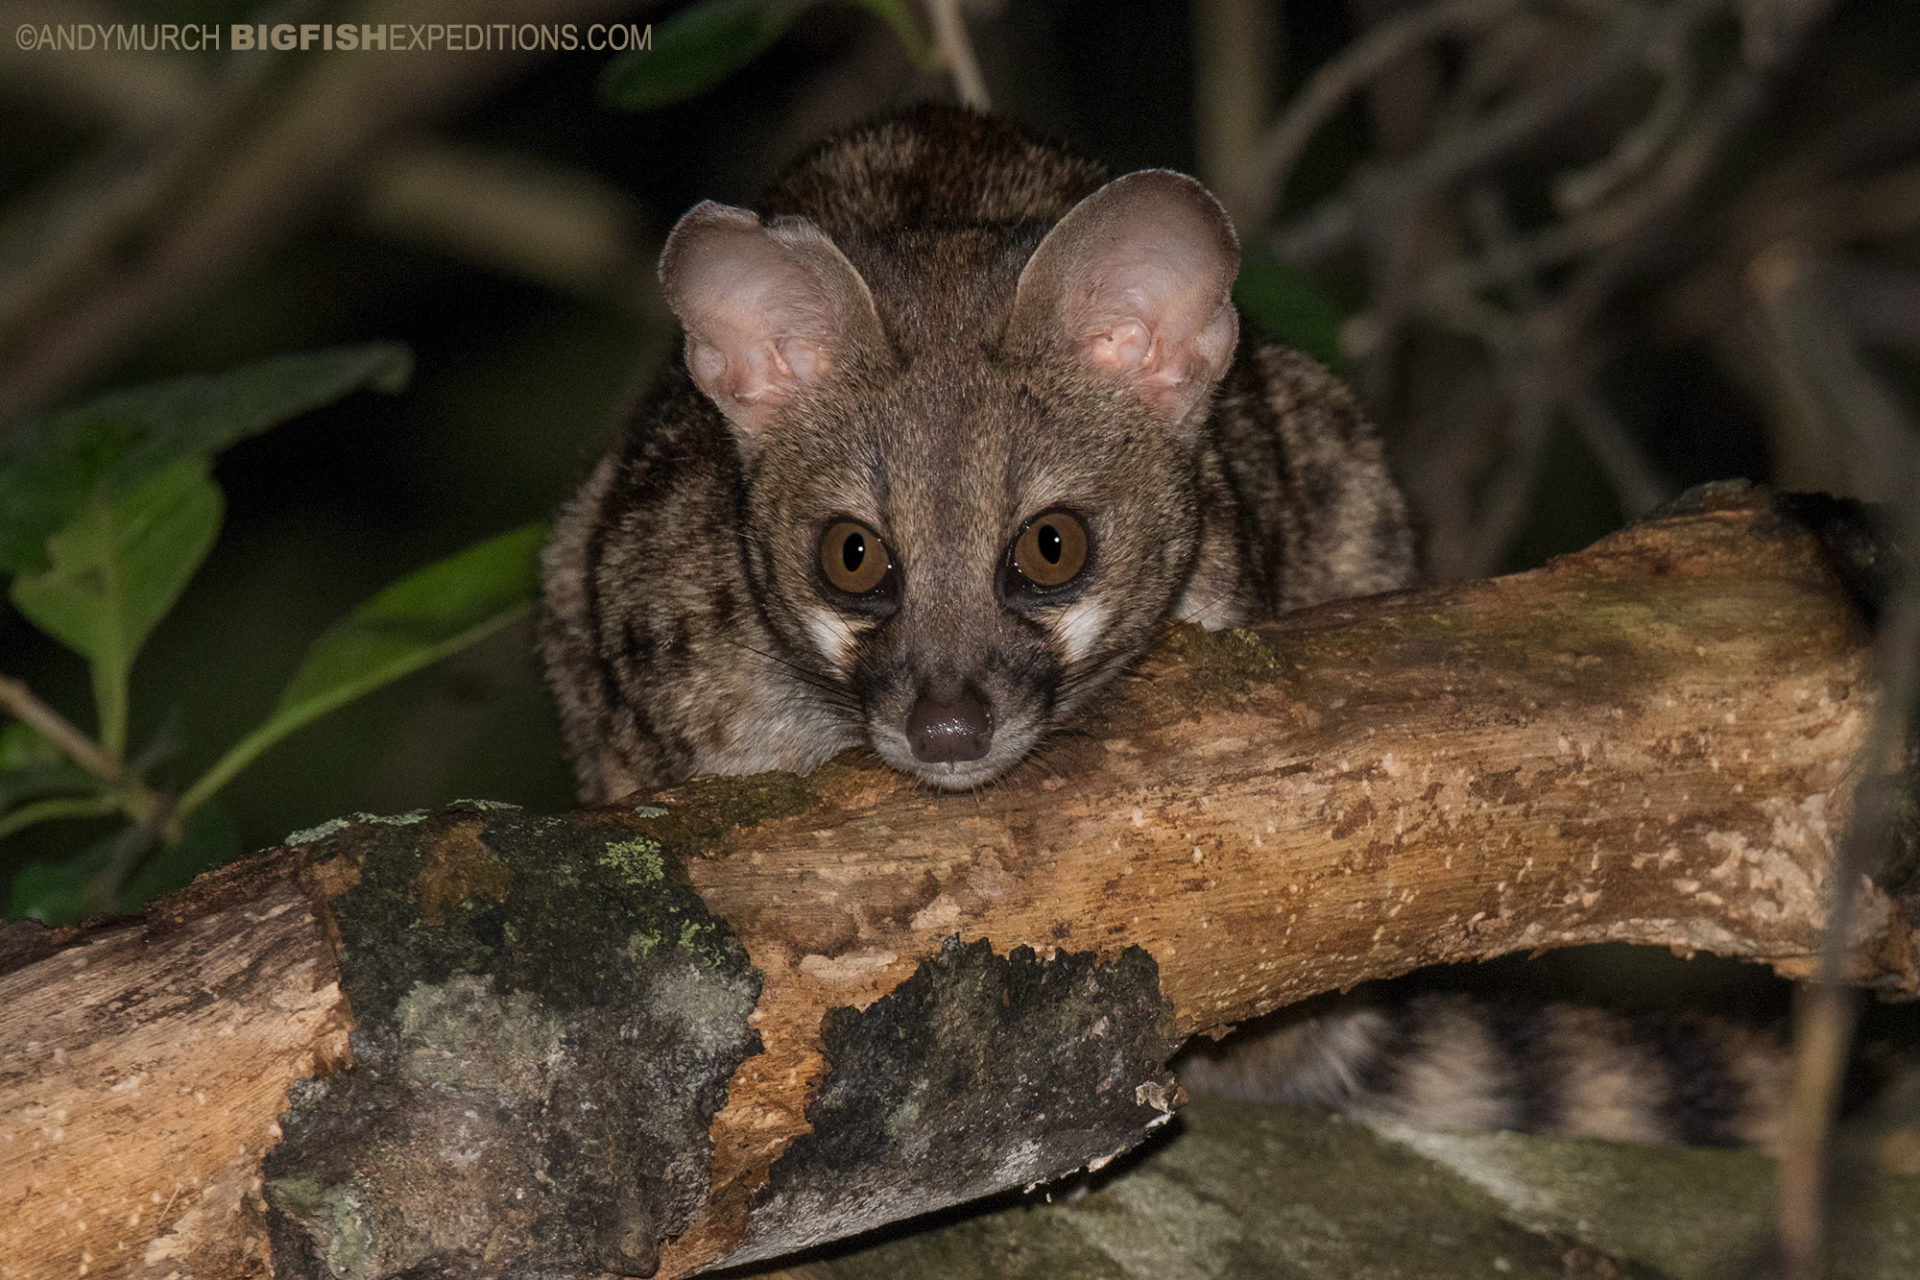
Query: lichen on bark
[(547, 1019), (977, 1073)]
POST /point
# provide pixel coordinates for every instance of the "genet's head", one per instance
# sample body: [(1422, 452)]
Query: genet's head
[(966, 536)]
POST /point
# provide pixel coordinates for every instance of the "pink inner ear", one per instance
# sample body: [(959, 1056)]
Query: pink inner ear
[(1135, 281), (764, 308), (756, 375), (1123, 347), (1170, 362), (807, 361)]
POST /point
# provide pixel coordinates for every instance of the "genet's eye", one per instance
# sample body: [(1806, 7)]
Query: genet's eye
[(853, 558), (1052, 550)]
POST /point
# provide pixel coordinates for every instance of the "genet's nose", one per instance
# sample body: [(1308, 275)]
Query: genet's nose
[(950, 730)]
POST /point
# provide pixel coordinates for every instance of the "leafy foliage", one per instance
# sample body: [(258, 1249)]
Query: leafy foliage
[(106, 512), (420, 619), (57, 466), (115, 570)]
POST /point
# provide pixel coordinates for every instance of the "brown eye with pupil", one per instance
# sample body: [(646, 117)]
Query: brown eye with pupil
[(853, 559), (1051, 550)]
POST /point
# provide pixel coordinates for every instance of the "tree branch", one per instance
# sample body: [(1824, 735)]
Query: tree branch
[(753, 1014)]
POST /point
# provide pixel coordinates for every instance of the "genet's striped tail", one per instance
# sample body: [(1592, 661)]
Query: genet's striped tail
[(1458, 1061)]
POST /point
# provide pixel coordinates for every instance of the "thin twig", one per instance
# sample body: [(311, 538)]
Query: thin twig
[(1825, 1015), (1497, 135), (955, 47), (77, 245), (1342, 77), (1818, 360), (1509, 501), (126, 851), (1819, 355), (1525, 119), (1581, 189), (1323, 231), (565, 230), (1233, 70), (142, 91), (1824, 1018), (1394, 246), (21, 702), (1554, 244), (1530, 403), (1496, 62), (1403, 101), (1637, 482), (1734, 106), (1842, 186), (141, 803), (54, 809)]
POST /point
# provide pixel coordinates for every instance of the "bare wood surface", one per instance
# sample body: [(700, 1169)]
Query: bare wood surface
[(1654, 741), (143, 1069)]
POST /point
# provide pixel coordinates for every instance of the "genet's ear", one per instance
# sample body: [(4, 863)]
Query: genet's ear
[(1137, 281), (769, 309)]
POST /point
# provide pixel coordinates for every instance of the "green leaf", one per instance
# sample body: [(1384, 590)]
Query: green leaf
[(116, 570), (1287, 307), (54, 467), (422, 618), (695, 50)]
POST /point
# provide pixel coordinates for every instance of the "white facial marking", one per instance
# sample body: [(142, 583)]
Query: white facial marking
[(831, 636), (1213, 609), (1080, 628)]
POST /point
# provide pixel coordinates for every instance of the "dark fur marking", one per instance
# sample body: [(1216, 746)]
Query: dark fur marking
[(1380, 1074), (1702, 1099), (1522, 1032)]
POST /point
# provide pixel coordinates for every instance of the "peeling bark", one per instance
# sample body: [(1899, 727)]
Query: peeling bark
[(751, 1014)]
